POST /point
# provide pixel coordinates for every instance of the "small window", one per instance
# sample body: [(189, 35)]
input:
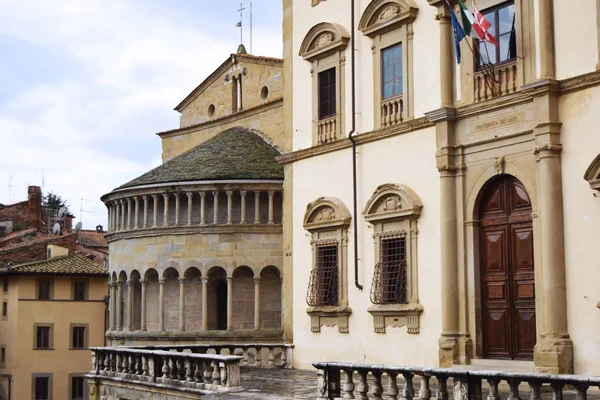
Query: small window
[(389, 280), (42, 388), (211, 110), (327, 93), (503, 27), (4, 309), (264, 93), (77, 386), (79, 290), (5, 285), (2, 356), (323, 286), (43, 337), (44, 290), (391, 71), (78, 341)]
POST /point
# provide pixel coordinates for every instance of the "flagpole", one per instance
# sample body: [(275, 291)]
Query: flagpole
[(250, 27)]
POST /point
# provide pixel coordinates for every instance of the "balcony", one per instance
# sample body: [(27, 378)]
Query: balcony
[(391, 111), (327, 130), (499, 80)]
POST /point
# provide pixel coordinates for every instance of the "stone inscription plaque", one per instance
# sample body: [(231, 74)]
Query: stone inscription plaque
[(497, 122)]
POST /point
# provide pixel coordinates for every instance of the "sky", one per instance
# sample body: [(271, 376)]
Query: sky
[(85, 85)]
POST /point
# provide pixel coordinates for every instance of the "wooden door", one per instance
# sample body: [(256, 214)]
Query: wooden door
[(507, 274)]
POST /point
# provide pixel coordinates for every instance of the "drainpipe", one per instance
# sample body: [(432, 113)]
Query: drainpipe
[(351, 137)]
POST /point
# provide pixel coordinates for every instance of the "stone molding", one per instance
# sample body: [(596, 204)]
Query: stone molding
[(323, 39), (392, 201), (396, 316), (326, 213), (384, 15), (592, 175), (329, 316), (316, 2)]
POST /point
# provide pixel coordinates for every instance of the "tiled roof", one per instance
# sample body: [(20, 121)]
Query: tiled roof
[(90, 238), (74, 264), (250, 56), (29, 239), (237, 153), (16, 235)]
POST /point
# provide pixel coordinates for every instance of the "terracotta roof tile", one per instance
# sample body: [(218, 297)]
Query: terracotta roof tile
[(74, 264), (90, 238), (17, 234)]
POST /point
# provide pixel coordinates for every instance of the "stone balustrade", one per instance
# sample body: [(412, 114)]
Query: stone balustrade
[(327, 130), (206, 372), (391, 111), (194, 206), (375, 381), (500, 81), (278, 355)]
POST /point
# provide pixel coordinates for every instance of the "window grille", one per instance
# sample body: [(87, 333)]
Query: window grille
[(323, 284), (389, 278)]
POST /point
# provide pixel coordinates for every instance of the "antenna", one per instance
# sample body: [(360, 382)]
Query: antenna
[(81, 210), (10, 186), (43, 181), (241, 11), (250, 27)]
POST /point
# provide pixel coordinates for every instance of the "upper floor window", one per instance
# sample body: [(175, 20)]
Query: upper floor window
[(323, 285), (78, 337), (327, 93), (79, 290), (44, 289), (391, 71), (41, 388), (43, 338), (503, 27), (390, 274), (4, 309), (5, 285), (77, 388)]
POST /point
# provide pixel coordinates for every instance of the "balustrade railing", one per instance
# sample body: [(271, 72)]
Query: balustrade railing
[(327, 130), (496, 81), (257, 355), (177, 369), (391, 111), (374, 381)]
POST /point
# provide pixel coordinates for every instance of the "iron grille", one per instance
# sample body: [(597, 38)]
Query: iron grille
[(389, 278), (323, 283)]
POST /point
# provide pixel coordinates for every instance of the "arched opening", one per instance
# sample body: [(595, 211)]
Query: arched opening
[(234, 94), (136, 286), (171, 296), (506, 270), (122, 301), (243, 299), (217, 299), (270, 298), (193, 299), (151, 277)]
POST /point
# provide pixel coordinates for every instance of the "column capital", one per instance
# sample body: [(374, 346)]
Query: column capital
[(128, 200), (271, 193), (119, 282), (215, 193), (143, 281), (229, 279), (130, 282), (202, 194), (182, 280), (204, 281), (229, 193), (256, 280), (145, 198), (243, 193), (155, 196), (189, 194), (161, 281), (165, 196), (547, 150), (176, 194), (257, 192), (136, 198)]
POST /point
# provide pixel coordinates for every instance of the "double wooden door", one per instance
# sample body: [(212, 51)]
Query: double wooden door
[(507, 273)]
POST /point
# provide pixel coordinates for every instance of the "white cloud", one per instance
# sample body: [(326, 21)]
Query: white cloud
[(92, 129)]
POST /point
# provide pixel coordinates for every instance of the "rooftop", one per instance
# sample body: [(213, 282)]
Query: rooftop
[(92, 238), (74, 264)]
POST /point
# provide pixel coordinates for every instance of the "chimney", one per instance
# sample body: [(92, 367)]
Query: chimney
[(68, 225), (99, 228), (34, 207)]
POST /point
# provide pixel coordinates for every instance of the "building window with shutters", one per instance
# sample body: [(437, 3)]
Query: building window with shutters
[(44, 289), (78, 337), (393, 212), (327, 94), (76, 387), (41, 386), (80, 290), (44, 337), (327, 220)]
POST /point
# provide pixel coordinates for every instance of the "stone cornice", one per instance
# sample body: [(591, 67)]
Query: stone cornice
[(441, 114), (580, 82)]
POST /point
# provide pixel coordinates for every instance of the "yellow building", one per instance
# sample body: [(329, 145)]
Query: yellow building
[(53, 311)]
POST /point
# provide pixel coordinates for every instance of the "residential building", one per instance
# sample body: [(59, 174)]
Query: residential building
[(53, 311)]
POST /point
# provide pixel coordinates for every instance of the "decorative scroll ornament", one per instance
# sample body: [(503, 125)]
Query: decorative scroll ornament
[(389, 12), (323, 40), (381, 16)]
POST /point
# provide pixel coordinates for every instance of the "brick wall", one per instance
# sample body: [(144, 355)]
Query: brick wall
[(26, 214), (36, 251)]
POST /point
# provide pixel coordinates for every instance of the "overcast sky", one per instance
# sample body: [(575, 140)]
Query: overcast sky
[(86, 84)]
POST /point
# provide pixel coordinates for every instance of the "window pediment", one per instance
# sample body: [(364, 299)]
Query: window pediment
[(384, 15), (592, 175), (392, 201), (322, 40), (325, 213)]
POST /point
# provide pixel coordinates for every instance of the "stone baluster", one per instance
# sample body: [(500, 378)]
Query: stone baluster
[(535, 392), (424, 391), (442, 392), (513, 392), (204, 303), (392, 391), (136, 201), (202, 208), (257, 206), (257, 302), (190, 197), (408, 393), (363, 385), (229, 303), (129, 213), (145, 222), (493, 389), (271, 213), (161, 304), (216, 375), (348, 385), (229, 206), (130, 288), (182, 304), (119, 305), (215, 207), (243, 207), (143, 316), (258, 360), (155, 210), (177, 208), (166, 210)]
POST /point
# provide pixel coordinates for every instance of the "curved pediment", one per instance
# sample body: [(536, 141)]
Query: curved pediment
[(326, 212), (384, 15), (322, 40), (392, 201), (592, 175)]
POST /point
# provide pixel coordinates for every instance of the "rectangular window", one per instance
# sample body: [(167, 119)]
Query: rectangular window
[(43, 337), (2, 356), (44, 289), (327, 93), (503, 27), (4, 309), (77, 385), (323, 286), (391, 71), (79, 289), (42, 388), (389, 280), (78, 341), (5, 285)]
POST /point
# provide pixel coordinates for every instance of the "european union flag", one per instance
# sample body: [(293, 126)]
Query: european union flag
[(459, 34)]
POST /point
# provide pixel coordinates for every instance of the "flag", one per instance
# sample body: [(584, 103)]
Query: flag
[(459, 34), (467, 19), (482, 25), (238, 24)]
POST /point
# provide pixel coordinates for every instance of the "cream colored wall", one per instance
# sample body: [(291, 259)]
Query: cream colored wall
[(8, 327), (407, 159), (581, 144), (23, 361)]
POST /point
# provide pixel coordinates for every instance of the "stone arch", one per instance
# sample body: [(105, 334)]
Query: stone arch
[(270, 298), (323, 39), (242, 292), (171, 298), (392, 201), (384, 15), (151, 277), (170, 265), (217, 298), (121, 297), (113, 276), (136, 286), (326, 212), (592, 174), (193, 299), (210, 264)]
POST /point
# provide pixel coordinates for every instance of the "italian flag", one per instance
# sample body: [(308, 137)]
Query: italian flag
[(475, 24)]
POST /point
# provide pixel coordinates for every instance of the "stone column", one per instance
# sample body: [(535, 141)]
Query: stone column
[(229, 207), (177, 208), (119, 305), (121, 215), (109, 222), (166, 210), (546, 35), (202, 208), (190, 197), (111, 308), (229, 303), (257, 206), (256, 302), (204, 303), (446, 57), (271, 194), (161, 304), (130, 288), (243, 207), (216, 207), (143, 316), (155, 210), (145, 198), (182, 304), (136, 200), (129, 213)]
